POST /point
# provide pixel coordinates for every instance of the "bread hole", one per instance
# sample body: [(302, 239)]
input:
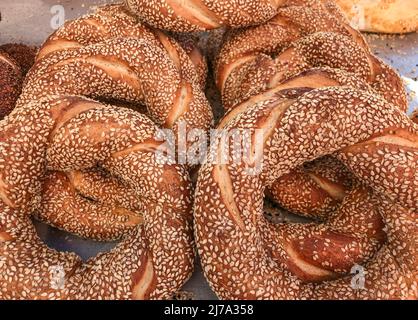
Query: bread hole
[(64, 241), (276, 214)]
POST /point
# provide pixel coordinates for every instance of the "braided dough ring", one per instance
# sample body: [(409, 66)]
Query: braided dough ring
[(94, 56), (298, 38), (303, 56), (246, 257), (72, 133)]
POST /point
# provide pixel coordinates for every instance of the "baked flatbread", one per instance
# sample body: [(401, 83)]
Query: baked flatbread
[(387, 16)]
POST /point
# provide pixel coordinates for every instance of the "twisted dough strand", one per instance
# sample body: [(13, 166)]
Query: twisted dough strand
[(299, 38), (200, 15), (15, 61), (66, 54), (76, 78), (89, 204), (113, 21)]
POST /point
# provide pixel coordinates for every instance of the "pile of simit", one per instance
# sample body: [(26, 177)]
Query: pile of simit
[(79, 152)]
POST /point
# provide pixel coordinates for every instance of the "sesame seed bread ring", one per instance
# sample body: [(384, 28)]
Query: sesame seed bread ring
[(109, 70), (77, 77), (71, 133), (246, 257), (109, 56), (387, 16), (201, 15), (256, 59), (57, 137), (309, 46)]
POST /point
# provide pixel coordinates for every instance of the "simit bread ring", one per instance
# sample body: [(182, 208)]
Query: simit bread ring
[(109, 56), (246, 257), (71, 133), (306, 57), (298, 38)]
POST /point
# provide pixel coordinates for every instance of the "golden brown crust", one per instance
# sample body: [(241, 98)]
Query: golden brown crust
[(89, 204), (110, 56), (190, 45), (313, 190), (112, 22), (253, 60), (387, 16), (311, 46), (260, 72), (162, 247), (15, 61), (246, 257), (10, 83), (200, 15)]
